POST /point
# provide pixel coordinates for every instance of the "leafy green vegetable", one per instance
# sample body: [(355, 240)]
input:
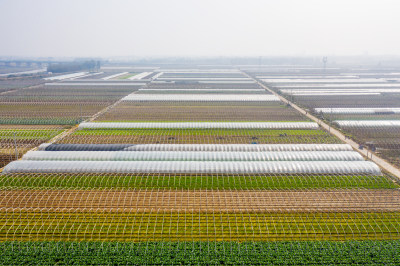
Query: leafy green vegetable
[(202, 253)]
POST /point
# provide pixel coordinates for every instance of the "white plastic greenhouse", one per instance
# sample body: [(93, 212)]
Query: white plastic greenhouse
[(353, 86), (69, 84), (368, 123), (191, 156), (67, 76), (203, 97), (114, 75), (356, 110), (195, 147), (189, 167), (201, 125), (202, 78), (202, 90)]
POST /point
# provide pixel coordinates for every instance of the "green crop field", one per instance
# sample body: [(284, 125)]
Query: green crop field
[(29, 134), (199, 132), (43, 225), (186, 136), (203, 253), (154, 181)]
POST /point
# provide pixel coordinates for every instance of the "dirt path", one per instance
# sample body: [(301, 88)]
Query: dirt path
[(202, 200)]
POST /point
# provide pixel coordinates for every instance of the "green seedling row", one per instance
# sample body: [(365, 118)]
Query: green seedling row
[(202, 253), (42, 225), (153, 181)]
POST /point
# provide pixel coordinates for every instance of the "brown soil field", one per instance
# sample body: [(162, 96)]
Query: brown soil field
[(202, 201), (46, 110), (84, 93), (386, 141), (383, 100), (210, 86), (33, 127), (132, 112), (9, 155)]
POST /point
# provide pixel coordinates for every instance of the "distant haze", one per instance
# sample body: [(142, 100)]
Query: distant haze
[(43, 28)]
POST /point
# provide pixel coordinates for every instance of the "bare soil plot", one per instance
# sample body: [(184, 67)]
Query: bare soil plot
[(82, 93), (385, 141), (325, 101), (129, 111)]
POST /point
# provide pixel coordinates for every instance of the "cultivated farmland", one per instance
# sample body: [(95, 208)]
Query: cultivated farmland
[(191, 165)]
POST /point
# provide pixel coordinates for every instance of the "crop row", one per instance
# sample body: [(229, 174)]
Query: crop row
[(333, 117), (47, 113), (16, 140), (188, 226), (192, 182), (202, 253), (221, 86), (324, 101), (127, 111), (202, 201), (20, 135), (205, 136), (200, 132), (49, 94), (17, 83), (384, 141)]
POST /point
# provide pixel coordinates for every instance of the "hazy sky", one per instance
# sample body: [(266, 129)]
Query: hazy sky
[(198, 28)]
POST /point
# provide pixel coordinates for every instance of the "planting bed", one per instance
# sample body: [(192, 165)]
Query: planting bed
[(42, 113), (38, 225), (193, 182), (15, 140), (199, 201), (188, 86), (349, 101), (385, 141), (190, 111), (196, 136), (89, 93), (203, 253), (7, 84)]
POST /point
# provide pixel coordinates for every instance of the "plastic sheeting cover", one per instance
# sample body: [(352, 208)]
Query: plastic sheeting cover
[(191, 156), (356, 110), (195, 147), (368, 123), (293, 167), (175, 90), (203, 97), (200, 125)]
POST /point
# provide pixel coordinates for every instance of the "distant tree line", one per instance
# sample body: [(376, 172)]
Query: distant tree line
[(91, 65)]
